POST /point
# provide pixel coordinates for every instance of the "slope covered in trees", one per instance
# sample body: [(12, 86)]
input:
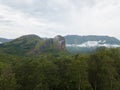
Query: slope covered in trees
[(96, 71), (33, 45)]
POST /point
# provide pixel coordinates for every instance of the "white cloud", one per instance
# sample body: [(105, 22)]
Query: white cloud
[(52, 17), (23, 1), (103, 18), (23, 23), (17, 2)]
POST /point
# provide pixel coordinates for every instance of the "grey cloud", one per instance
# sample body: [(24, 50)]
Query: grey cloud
[(4, 21), (82, 17)]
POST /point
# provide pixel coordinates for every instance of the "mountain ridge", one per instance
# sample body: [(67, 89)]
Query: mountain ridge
[(70, 39), (3, 40), (89, 43), (32, 45)]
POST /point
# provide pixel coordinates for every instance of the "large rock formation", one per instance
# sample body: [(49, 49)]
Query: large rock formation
[(60, 42), (32, 44)]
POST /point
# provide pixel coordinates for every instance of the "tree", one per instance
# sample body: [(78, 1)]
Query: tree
[(102, 74), (7, 77), (79, 72)]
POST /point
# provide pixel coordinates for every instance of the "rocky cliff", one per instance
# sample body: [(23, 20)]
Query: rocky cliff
[(33, 44), (60, 42), (56, 43)]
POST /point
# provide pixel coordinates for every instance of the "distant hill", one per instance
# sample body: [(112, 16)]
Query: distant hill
[(32, 44), (3, 40), (75, 39), (75, 43)]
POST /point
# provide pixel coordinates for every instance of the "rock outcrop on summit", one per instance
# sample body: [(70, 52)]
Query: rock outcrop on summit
[(33, 44), (60, 41)]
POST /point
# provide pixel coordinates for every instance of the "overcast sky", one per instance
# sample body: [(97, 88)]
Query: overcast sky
[(48, 18)]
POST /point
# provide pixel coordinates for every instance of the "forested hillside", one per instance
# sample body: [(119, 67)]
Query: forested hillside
[(61, 71), (33, 45), (88, 44)]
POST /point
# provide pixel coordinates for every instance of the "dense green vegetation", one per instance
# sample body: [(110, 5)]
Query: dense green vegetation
[(33, 45), (23, 45), (61, 71)]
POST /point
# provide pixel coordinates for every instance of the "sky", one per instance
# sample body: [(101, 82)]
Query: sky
[(48, 18)]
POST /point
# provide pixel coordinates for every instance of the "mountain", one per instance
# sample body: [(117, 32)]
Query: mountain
[(75, 43), (33, 44), (3, 40)]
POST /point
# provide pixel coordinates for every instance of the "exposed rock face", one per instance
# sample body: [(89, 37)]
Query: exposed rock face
[(48, 43), (33, 45), (52, 43), (60, 42)]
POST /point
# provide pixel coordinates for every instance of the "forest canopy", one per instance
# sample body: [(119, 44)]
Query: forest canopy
[(96, 71)]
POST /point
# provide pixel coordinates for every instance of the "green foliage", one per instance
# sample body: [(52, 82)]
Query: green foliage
[(21, 46), (30, 45), (61, 71), (7, 78)]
